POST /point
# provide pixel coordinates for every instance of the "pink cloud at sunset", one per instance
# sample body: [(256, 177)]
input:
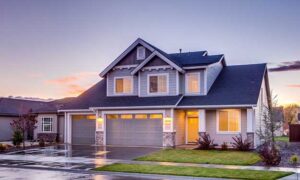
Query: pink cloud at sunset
[(294, 85), (74, 84)]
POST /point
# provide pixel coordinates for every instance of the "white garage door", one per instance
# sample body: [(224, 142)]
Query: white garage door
[(134, 130), (83, 129)]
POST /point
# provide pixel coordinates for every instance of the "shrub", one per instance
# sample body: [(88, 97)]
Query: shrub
[(42, 143), (224, 146), (294, 159), (17, 138), (205, 142), (2, 147), (241, 145), (269, 154)]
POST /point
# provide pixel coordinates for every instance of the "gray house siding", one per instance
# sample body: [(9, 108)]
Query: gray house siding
[(172, 81), (156, 61), (212, 74), (39, 128), (61, 128), (130, 58), (5, 128), (119, 73)]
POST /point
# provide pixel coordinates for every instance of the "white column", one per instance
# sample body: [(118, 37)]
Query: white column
[(202, 120), (69, 127), (65, 128), (250, 120)]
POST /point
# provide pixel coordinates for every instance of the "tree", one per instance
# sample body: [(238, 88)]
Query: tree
[(24, 124), (290, 113), (270, 123)]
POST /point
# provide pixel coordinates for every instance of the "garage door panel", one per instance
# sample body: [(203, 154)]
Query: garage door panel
[(83, 131), (134, 132)]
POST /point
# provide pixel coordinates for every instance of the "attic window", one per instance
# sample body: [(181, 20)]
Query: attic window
[(140, 53)]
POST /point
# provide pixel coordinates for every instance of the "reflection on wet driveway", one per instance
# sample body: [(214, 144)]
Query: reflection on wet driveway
[(102, 152), (72, 156)]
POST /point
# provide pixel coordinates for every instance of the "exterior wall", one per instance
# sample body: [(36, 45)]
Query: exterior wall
[(179, 126), (202, 81), (212, 73), (259, 110), (211, 127), (130, 58), (118, 73), (6, 131), (61, 127), (172, 81), (39, 124), (156, 61)]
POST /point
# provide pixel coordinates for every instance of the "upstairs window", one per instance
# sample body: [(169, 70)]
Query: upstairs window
[(229, 121), (158, 84), (47, 124), (140, 53), (123, 85), (192, 83)]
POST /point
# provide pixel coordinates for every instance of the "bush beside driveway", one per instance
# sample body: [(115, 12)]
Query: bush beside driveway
[(203, 157)]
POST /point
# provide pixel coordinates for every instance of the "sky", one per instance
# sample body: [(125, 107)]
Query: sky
[(57, 48)]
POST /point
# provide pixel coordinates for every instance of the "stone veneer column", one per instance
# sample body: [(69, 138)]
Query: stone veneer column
[(250, 138), (99, 138), (169, 139)]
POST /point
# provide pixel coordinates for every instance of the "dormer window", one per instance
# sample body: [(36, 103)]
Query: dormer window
[(123, 85), (140, 53), (192, 83)]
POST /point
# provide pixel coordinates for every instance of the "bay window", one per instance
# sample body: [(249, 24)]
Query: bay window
[(229, 121)]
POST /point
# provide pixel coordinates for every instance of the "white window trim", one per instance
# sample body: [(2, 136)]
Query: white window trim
[(186, 84), (229, 132), (121, 77), (51, 123), (157, 93), (137, 53)]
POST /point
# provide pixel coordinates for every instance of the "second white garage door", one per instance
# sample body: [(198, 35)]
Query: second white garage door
[(134, 130)]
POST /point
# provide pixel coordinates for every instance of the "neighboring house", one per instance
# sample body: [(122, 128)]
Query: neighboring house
[(150, 98), (49, 120)]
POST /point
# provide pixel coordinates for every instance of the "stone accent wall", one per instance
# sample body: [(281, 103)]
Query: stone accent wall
[(99, 138), (250, 137), (169, 139)]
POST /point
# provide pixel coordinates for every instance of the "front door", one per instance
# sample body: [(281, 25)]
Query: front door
[(192, 129)]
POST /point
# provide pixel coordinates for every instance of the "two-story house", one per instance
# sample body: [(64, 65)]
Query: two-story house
[(151, 98)]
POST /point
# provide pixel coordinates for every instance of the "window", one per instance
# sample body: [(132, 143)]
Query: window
[(193, 83), (157, 84), (126, 116), (141, 116), (229, 121), (140, 53), (123, 85), (156, 116), (47, 124), (112, 116)]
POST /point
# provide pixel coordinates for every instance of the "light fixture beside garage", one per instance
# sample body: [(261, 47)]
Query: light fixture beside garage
[(100, 121), (168, 124)]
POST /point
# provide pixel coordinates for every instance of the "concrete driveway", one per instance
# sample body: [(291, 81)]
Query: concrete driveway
[(81, 157)]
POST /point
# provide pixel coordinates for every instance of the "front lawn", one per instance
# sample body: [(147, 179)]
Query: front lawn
[(282, 139), (203, 157), (194, 171)]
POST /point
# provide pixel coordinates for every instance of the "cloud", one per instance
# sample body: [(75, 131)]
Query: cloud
[(294, 85), (74, 84), (71, 78), (286, 66)]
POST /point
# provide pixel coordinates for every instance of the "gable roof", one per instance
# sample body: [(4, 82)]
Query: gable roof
[(235, 86)]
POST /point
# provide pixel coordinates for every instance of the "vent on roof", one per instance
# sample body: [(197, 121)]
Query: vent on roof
[(180, 50)]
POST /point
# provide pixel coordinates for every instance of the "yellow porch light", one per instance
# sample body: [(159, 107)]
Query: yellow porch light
[(168, 123)]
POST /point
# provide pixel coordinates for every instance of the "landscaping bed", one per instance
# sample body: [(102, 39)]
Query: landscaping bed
[(203, 157), (194, 171)]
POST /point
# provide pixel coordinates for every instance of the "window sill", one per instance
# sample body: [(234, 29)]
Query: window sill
[(229, 133)]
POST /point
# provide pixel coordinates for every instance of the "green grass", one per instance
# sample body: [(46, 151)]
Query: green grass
[(282, 139), (203, 157), (194, 171)]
